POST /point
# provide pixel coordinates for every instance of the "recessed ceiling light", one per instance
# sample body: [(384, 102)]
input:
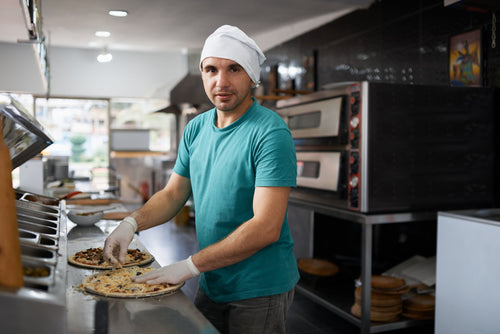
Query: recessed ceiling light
[(119, 13), (104, 57), (102, 33)]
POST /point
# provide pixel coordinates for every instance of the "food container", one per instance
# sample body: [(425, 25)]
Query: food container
[(84, 218)]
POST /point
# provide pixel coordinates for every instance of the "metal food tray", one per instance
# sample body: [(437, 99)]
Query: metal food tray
[(37, 254), (30, 205), (38, 199), (41, 215), (41, 220), (41, 280), (28, 237), (48, 235)]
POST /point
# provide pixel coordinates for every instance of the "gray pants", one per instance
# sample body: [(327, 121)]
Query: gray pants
[(261, 315)]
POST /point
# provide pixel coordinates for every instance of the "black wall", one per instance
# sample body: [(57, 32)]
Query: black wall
[(392, 41)]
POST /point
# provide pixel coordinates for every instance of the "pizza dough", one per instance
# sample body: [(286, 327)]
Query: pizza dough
[(118, 283), (93, 258), (419, 307), (387, 282), (379, 299), (318, 267), (386, 297)]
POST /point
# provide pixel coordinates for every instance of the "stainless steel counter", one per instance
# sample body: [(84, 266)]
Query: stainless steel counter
[(88, 313)]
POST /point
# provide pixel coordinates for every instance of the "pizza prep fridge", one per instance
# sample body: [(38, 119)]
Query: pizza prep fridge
[(87, 313), (39, 305)]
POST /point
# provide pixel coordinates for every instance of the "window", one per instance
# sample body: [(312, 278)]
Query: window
[(79, 128), (139, 114)]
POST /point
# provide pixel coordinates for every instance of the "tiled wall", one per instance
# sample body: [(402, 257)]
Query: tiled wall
[(392, 41)]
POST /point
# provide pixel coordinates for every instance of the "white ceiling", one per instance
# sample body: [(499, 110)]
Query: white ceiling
[(170, 25), (149, 46)]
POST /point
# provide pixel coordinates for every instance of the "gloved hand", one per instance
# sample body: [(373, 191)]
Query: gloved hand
[(173, 273), (116, 244)]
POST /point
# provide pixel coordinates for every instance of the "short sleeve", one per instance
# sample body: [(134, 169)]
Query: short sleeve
[(276, 161), (181, 166)]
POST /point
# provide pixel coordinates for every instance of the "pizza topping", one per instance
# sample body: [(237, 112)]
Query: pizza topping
[(94, 257), (119, 283)]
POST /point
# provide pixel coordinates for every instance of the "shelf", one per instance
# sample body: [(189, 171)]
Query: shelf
[(337, 296), (329, 205)]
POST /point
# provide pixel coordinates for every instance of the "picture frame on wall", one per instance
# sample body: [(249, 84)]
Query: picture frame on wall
[(466, 59)]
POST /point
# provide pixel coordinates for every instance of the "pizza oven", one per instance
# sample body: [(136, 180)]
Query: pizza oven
[(40, 305)]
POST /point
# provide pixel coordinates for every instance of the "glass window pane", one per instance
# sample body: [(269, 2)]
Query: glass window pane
[(79, 128), (140, 114)]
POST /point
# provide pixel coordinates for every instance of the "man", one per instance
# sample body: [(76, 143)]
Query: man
[(238, 161)]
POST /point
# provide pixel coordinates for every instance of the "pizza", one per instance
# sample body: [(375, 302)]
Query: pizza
[(94, 258), (118, 283)]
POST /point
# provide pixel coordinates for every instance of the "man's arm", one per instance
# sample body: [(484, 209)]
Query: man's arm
[(269, 205), (160, 208)]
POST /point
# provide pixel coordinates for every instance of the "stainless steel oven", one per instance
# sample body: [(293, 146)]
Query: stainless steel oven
[(378, 147)]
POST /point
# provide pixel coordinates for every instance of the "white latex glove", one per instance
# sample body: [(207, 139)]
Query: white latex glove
[(116, 244), (173, 273)]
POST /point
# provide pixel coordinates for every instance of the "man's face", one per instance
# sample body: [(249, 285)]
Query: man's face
[(226, 84)]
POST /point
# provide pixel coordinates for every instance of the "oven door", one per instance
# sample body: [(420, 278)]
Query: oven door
[(319, 170), (314, 120)]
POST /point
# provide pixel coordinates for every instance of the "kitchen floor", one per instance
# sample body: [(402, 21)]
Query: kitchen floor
[(172, 242)]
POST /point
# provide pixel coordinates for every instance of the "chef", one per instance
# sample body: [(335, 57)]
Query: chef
[(238, 162)]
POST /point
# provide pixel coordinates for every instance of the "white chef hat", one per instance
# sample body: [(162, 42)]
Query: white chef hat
[(230, 42)]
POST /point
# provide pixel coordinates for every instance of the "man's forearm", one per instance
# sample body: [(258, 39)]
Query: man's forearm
[(155, 211), (239, 245), (163, 205)]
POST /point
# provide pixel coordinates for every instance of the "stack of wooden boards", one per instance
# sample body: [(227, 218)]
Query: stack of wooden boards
[(391, 298)]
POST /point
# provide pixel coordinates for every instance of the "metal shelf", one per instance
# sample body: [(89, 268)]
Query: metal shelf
[(334, 297), (336, 301)]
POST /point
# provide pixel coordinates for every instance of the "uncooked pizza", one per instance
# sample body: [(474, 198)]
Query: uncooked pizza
[(94, 258), (119, 283)]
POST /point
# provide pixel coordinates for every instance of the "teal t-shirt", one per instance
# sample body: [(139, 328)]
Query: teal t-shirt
[(224, 167)]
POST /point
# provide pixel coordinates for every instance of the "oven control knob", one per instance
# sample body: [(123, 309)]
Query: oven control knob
[(354, 182), (354, 122)]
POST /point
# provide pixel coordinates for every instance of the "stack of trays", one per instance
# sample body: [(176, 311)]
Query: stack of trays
[(38, 226), (386, 298)]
